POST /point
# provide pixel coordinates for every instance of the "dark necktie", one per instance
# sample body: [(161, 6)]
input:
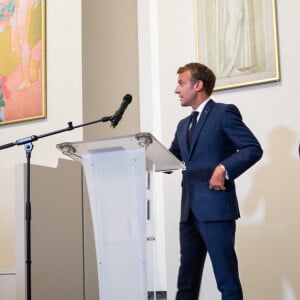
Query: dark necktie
[(193, 123)]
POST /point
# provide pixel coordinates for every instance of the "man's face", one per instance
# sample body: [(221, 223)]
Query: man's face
[(186, 89)]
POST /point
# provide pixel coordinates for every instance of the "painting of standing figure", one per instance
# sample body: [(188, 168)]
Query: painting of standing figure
[(22, 60), (238, 40)]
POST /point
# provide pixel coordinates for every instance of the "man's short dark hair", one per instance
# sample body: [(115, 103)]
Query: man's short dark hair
[(200, 72)]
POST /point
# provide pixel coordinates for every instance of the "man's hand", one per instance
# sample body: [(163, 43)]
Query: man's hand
[(217, 179)]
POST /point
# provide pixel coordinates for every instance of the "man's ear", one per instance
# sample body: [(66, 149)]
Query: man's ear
[(199, 85)]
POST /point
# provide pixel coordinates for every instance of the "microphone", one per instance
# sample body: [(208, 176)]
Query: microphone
[(115, 119)]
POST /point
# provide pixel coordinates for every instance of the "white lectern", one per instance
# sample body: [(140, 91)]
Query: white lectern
[(115, 171)]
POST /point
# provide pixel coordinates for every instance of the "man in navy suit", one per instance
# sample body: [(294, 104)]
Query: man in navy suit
[(221, 148)]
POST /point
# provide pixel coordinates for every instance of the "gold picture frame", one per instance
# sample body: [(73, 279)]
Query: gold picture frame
[(22, 60), (238, 41)]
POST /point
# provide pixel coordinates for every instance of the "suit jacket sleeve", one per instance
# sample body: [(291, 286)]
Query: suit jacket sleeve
[(248, 148)]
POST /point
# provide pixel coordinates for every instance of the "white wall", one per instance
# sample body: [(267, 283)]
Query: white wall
[(8, 286), (268, 233), (64, 104)]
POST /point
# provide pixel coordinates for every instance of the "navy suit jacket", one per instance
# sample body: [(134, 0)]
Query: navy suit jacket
[(220, 137)]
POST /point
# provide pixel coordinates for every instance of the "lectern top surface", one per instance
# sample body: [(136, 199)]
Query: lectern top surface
[(158, 158)]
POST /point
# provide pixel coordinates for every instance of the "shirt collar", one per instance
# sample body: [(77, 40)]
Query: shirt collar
[(201, 106)]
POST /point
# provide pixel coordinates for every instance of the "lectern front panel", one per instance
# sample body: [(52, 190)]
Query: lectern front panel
[(116, 183)]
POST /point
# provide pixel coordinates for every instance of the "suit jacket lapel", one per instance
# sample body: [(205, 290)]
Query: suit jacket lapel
[(204, 114), (184, 137)]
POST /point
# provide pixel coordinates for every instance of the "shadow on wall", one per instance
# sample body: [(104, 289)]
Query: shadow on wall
[(269, 242)]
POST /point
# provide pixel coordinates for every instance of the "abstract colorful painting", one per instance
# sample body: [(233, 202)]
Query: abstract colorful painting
[(22, 60)]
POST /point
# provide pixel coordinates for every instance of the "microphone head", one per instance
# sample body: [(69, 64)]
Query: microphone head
[(127, 98)]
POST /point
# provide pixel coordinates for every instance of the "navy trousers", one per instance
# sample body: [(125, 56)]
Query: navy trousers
[(217, 239)]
